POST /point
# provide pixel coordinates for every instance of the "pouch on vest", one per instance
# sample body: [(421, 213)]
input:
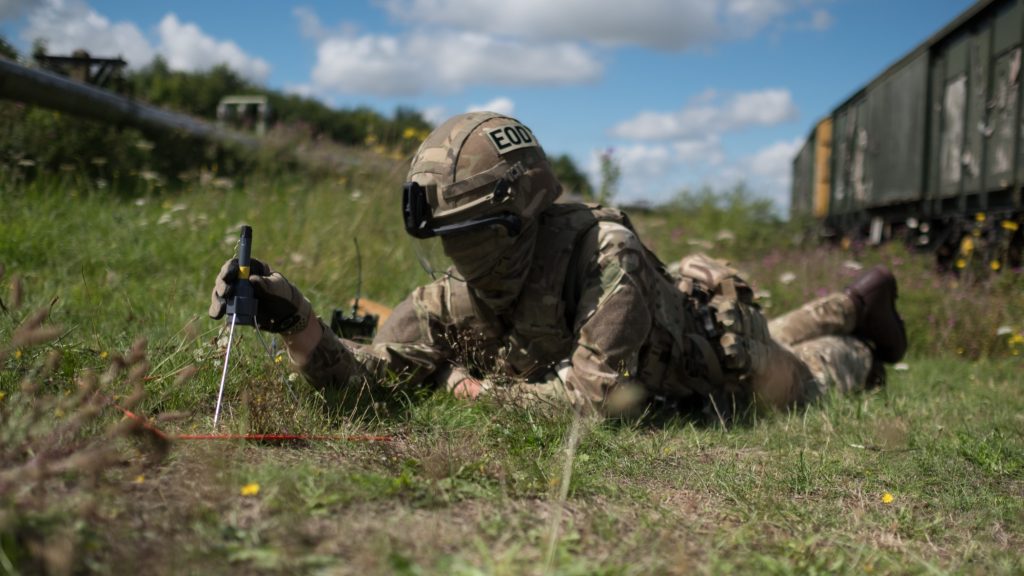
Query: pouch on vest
[(725, 306)]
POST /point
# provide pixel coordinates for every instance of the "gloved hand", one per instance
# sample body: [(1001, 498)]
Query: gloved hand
[(281, 307)]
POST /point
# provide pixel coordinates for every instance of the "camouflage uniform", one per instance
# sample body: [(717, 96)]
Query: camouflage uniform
[(563, 301), (599, 323)]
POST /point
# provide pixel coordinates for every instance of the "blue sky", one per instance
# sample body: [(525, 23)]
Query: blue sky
[(685, 92)]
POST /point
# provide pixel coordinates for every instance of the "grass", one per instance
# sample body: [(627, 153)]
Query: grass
[(456, 488)]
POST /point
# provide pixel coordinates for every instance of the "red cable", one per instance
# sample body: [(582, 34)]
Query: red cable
[(256, 437)]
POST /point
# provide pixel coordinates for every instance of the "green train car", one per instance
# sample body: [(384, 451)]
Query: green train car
[(931, 150)]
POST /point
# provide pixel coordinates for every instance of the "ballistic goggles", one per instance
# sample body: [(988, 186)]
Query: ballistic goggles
[(420, 222)]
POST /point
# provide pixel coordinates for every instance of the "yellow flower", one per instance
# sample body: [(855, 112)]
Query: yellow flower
[(250, 489), (104, 354), (17, 354), (1016, 339), (1010, 225), (887, 498), (2, 394), (979, 217), (139, 479), (995, 265), (961, 263)]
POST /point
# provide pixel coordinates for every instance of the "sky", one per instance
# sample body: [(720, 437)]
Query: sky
[(682, 93)]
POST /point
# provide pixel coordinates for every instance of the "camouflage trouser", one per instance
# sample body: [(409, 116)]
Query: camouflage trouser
[(818, 334)]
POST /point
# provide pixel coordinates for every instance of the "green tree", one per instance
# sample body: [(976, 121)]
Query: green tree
[(572, 179), (611, 174)]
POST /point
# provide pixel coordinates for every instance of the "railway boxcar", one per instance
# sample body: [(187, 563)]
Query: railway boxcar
[(931, 149)]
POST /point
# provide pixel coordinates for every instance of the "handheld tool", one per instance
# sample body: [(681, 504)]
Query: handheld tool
[(241, 308)]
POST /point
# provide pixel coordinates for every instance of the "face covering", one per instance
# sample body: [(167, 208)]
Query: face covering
[(493, 264)]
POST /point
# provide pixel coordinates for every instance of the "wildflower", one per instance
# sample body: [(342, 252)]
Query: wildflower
[(1016, 340), (250, 489), (2, 394), (1004, 330), (787, 278), (887, 497), (17, 354), (853, 265), (139, 479), (995, 265), (901, 366), (104, 354)]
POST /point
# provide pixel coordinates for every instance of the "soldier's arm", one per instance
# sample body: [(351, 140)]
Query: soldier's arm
[(403, 354), (612, 319)]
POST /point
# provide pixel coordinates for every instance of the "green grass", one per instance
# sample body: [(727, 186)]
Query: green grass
[(461, 488)]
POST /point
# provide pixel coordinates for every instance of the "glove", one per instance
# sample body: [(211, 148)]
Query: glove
[(281, 307)]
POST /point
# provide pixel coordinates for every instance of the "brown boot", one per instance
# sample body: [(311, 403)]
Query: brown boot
[(874, 295)]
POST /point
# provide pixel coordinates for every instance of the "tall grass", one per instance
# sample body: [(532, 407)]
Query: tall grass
[(488, 487)]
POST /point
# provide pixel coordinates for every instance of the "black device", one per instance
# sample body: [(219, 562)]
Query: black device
[(243, 306), (355, 326)]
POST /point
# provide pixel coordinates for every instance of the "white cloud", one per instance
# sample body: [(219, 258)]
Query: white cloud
[(746, 17), (68, 25), (769, 171), (309, 22), (303, 90), (642, 159), (706, 151), (11, 9), (444, 62), (501, 105), (821, 20), (187, 47), (434, 114), (707, 115), (659, 24)]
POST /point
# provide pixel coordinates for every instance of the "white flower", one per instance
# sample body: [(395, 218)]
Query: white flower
[(1004, 330), (853, 265), (787, 277), (901, 366)]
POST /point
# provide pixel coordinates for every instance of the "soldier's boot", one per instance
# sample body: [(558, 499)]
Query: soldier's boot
[(874, 295)]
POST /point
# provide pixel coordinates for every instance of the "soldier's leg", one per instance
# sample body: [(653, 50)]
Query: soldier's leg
[(834, 314), (840, 363), (866, 309), (792, 376), (779, 378)]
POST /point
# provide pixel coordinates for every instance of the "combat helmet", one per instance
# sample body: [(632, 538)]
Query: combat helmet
[(477, 170)]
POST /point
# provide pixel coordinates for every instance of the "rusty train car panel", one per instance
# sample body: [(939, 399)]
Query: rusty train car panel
[(934, 146)]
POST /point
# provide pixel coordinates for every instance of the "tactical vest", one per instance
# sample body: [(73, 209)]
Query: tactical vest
[(677, 360), (539, 332)]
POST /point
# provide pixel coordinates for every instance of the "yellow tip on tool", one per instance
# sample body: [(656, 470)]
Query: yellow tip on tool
[(243, 272)]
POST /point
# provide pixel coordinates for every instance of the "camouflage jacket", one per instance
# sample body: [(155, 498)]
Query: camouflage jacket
[(596, 302)]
